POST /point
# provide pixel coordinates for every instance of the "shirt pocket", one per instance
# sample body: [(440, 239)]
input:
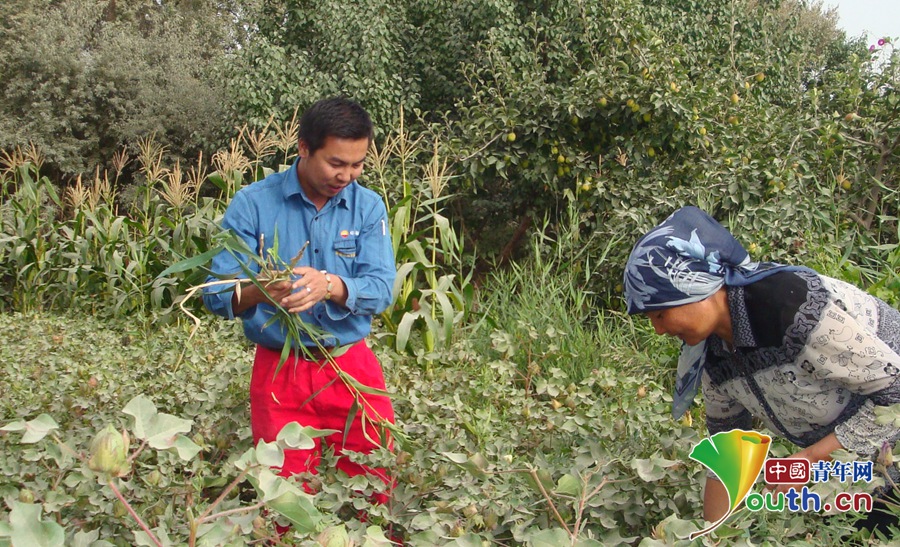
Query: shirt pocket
[(345, 249)]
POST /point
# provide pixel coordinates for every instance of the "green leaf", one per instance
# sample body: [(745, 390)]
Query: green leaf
[(652, 469), (142, 539), (549, 538), (468, 540), (185, 447), (35, 429), (27, 529), (289, 501), (191, 263), (157, 428), (351, 415), (269, 454), (375, 538), (364, 388), (293, 435), (474, 464), (569, 484), (85, 539), (402, 273)]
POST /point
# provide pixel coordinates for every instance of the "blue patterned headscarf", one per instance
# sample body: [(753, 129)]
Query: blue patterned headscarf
[(687, 259)]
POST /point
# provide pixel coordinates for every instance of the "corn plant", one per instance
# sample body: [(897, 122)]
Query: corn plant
[(432, 293), (28, 240)]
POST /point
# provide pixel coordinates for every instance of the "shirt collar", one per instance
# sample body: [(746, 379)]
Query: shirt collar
[(741, 332)]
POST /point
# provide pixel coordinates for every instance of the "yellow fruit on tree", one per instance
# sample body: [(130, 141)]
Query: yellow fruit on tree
[(635, 108), (702, 131), (647, 117), (629, 103), (651, 152), (560, 159), (733, 120), (511, 137), (843, 182), (585, 187), (735, 99), (603, 102), (760, 77)]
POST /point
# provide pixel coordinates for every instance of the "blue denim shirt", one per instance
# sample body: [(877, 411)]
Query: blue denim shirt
[(350, 237)]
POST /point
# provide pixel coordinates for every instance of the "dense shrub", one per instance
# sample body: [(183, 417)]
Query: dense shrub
[(84, 78)]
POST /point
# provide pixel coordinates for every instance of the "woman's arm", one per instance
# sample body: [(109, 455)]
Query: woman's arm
[(715, 500)]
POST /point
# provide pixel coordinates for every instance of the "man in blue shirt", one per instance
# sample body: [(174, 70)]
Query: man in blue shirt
[(345, 276)]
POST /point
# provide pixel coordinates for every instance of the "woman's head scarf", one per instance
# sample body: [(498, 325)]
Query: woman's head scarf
[(684, 260)]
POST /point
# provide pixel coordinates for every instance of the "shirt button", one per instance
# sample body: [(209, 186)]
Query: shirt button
[(317, 250)]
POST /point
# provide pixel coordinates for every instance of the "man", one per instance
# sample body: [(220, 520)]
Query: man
[(345, 276)]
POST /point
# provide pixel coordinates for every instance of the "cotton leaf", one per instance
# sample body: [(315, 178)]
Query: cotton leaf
[(35, 429)]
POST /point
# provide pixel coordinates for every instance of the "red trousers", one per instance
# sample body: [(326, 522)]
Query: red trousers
[(276, 403)]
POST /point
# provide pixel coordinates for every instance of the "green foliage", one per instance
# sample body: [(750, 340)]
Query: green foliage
[(486, 455), (522, 306), (541, 414), (83, 78), (304, 51), (433, 292), (748, 109), (97, 258)]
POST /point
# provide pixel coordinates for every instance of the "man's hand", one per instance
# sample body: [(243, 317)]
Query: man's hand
[(311, 288), (297, 296)]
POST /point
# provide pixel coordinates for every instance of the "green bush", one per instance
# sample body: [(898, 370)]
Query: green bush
[(82, 79), (483, 453)]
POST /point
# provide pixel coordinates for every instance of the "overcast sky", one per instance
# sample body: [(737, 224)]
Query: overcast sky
[(876, 18)]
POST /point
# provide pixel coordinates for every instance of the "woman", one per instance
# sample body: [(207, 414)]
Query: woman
[(811, 356)]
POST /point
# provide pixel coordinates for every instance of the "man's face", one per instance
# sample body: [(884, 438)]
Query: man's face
[(328, 170)]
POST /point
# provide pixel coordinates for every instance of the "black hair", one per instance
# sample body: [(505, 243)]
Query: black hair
[(337, 117)]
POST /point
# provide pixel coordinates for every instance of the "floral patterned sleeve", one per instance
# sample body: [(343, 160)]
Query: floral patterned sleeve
[(723, 412), (848, 346)]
